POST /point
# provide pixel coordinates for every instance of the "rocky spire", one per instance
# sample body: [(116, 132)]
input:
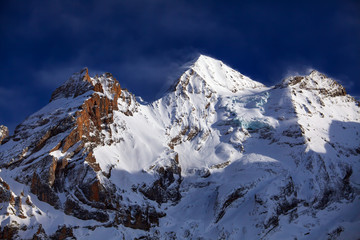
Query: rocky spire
[(79, 117), (4, 132), (78, 84)]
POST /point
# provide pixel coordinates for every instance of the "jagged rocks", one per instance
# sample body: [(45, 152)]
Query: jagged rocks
[(317, 82), (4, 132), (220, 165), (62, 233), (44, 192), (49, 175), (235, 195), (74, 208), (6, 195), (40, 234), (294, 131), (139, 217), (9, 232), (160, 191), (167, 186), (95, 115), (77, 85), (10, 203)]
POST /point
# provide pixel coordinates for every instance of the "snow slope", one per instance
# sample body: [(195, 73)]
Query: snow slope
[(220, 156)]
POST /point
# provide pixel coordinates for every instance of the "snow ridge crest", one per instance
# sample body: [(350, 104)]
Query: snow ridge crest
[(217, 76)]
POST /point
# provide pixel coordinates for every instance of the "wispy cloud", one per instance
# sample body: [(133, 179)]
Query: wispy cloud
[(55, 76), (297, 70), (153, 72)]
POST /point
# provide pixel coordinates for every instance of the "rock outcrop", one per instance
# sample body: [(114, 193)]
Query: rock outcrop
[(317, 82), (71, 135), (4, 132)]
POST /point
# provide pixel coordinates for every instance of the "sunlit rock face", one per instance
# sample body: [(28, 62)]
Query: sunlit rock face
[(219, 156), (4, 132)]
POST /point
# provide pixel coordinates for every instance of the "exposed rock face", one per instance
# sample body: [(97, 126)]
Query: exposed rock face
[(74, 136), (77, 85), (9, 232), (14, 206), (5, 193), (167, 186), (139, 218), (44, 191), (4, 132), (96, 112), (63, 233), (317, 82)]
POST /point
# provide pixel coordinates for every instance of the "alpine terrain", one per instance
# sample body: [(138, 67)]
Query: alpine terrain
[(219, 156)]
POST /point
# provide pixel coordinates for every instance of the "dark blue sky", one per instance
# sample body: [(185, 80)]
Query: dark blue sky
[(143, 43)]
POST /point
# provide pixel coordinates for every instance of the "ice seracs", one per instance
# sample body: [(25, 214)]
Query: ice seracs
[(220, 156)]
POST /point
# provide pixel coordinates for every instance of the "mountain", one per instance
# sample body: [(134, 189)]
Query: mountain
[(219, 156)]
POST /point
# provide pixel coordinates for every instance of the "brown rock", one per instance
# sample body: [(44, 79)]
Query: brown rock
[(4, 132), (95, 113), (72, 207), (4, 184), (8, 232), (295, 80), (43, 191), (18, 207), (137, 217), (77, 85), (94, 192), (63, 233), (85, 128), (28, 202), (167, 186), (92, 162), (40, 234), (85, 74)]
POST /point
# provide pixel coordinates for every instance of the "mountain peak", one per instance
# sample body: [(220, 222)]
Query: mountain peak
[(81, 82), (203, 59), (78, 84), (217, 75), (84, 74), (315, 73)]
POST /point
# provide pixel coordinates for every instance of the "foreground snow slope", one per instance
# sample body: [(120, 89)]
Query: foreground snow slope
[(220, 156)]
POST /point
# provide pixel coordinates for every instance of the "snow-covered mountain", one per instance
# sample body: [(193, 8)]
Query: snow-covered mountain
[(220, 156)]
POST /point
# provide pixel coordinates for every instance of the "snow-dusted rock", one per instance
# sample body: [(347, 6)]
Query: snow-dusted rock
[(4, 132)]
